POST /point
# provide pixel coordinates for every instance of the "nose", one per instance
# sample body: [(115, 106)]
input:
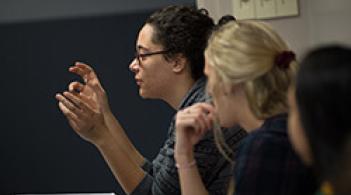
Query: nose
[(134, 65)]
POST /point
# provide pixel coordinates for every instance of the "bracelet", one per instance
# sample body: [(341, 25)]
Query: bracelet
[(186, 166)]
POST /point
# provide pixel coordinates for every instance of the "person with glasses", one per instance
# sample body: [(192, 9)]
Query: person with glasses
[(168, 65)]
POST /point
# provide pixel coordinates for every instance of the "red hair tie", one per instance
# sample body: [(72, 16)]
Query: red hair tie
[(283, 59)]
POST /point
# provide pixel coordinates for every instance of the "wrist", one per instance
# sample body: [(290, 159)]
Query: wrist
[(183, 147), (183, 152), (184, 157), (104, 140), (107, 111), (187, 165)]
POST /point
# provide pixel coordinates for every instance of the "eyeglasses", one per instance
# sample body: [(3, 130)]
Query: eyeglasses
[(141, 56)]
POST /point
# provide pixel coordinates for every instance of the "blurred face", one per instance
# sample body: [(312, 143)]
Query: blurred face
[(152, 71), (296, 133), (225, 104)]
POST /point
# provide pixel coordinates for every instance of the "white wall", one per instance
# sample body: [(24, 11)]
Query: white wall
[(319, 22)]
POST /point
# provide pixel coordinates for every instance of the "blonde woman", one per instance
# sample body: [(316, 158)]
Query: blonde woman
[(249, 69)]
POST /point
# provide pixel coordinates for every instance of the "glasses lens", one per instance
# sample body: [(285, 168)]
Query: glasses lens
[(140, 57)]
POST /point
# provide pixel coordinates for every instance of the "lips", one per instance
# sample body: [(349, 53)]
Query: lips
[(138, 81)]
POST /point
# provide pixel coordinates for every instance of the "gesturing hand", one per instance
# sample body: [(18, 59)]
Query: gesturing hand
[(84, 105), (92, 90)]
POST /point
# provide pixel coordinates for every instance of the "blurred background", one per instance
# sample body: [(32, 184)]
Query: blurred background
[(304, 24), (40, 39)]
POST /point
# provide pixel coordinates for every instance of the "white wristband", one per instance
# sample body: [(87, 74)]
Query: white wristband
[(186, 166)]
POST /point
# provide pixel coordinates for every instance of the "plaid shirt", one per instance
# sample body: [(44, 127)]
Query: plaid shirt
[(162, 176), (267, 164)]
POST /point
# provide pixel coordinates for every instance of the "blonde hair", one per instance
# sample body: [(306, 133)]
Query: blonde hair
[(244, 52)]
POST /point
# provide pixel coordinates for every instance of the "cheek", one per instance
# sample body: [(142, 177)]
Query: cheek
[(209, 86), (151, 85), (298, 138), (226, 112), (218, 105), (292, 130), (221, 113), (154, 74)]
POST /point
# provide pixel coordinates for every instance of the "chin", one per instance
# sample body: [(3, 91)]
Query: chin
[(142, 94), (150, 93), (145, 95)]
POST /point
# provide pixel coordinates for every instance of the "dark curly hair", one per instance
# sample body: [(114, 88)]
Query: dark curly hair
[(183, 30)]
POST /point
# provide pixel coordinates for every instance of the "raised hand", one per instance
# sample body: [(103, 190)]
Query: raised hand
[(191, 124), (84, 105), (88, 122), (91, 89)]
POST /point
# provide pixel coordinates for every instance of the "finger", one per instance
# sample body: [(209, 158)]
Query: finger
[(75, 87), (211, 119), (84, 75), (189, 124), (77, 100), (184, 112), (82, 70), (202, 114), (200, 117), (67, 104), (69, 115), (208, 115), (184, 121), (90, 102), (192, 120), (206, 121), (86, 69), (84, 66), (205, 107), (196, 118)]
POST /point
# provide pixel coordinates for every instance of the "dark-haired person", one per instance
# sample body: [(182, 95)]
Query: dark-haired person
[(319, 122), (168, 66), (249, 69)]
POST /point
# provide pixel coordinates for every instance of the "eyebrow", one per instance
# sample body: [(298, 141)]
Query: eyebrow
[(142, 47)]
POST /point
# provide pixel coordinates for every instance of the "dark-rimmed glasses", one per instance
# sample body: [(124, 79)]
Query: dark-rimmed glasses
[(140, 56)]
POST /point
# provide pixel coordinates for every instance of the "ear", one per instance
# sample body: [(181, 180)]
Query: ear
[(179, 63)]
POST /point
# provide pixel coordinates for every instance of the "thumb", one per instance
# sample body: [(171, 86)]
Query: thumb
[(75, 87)]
